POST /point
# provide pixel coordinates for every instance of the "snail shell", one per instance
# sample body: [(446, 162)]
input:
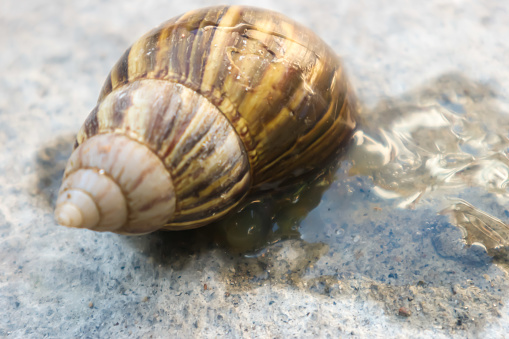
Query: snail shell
[(210, 106)]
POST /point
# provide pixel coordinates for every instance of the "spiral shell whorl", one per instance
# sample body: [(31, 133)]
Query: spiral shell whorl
[(194, 144), (113, 183)]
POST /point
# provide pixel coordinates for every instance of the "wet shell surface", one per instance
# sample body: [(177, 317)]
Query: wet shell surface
[(203, 110)]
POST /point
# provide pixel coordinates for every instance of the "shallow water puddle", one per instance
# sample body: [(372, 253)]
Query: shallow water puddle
[(413, 218)]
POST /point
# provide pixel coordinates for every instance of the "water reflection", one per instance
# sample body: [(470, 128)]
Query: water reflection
[(431, 148)]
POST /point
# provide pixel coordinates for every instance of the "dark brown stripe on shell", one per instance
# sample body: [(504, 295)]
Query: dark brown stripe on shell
[(155, 125), (106, 89), (217, 192), (205, 51), (194, 139), (181, 129), (193, 36), (213, 177), (167, 131), (122, 68), (217, 140), (175, 62), (121, 105), (92, 123), (157, 132), (152, 48)]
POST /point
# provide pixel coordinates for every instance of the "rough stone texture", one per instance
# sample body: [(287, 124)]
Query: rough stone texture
[(348, 277)]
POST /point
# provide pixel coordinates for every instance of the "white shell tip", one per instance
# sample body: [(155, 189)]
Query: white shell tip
[(76, 208), (69, 215), (115, 184)]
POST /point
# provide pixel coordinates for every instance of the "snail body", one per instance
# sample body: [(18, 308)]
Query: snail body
[(203, 110)]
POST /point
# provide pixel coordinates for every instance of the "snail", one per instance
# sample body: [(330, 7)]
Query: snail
[(199, 113)]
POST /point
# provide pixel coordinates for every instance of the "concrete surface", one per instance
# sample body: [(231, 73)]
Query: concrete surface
[(359, 259)]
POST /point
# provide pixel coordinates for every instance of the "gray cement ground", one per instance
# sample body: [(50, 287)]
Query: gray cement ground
[(359, 258)]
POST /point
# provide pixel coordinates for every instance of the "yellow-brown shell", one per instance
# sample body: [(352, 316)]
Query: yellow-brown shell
[(231, 100)]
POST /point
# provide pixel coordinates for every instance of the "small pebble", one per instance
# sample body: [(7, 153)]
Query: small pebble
[(404, 312)]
